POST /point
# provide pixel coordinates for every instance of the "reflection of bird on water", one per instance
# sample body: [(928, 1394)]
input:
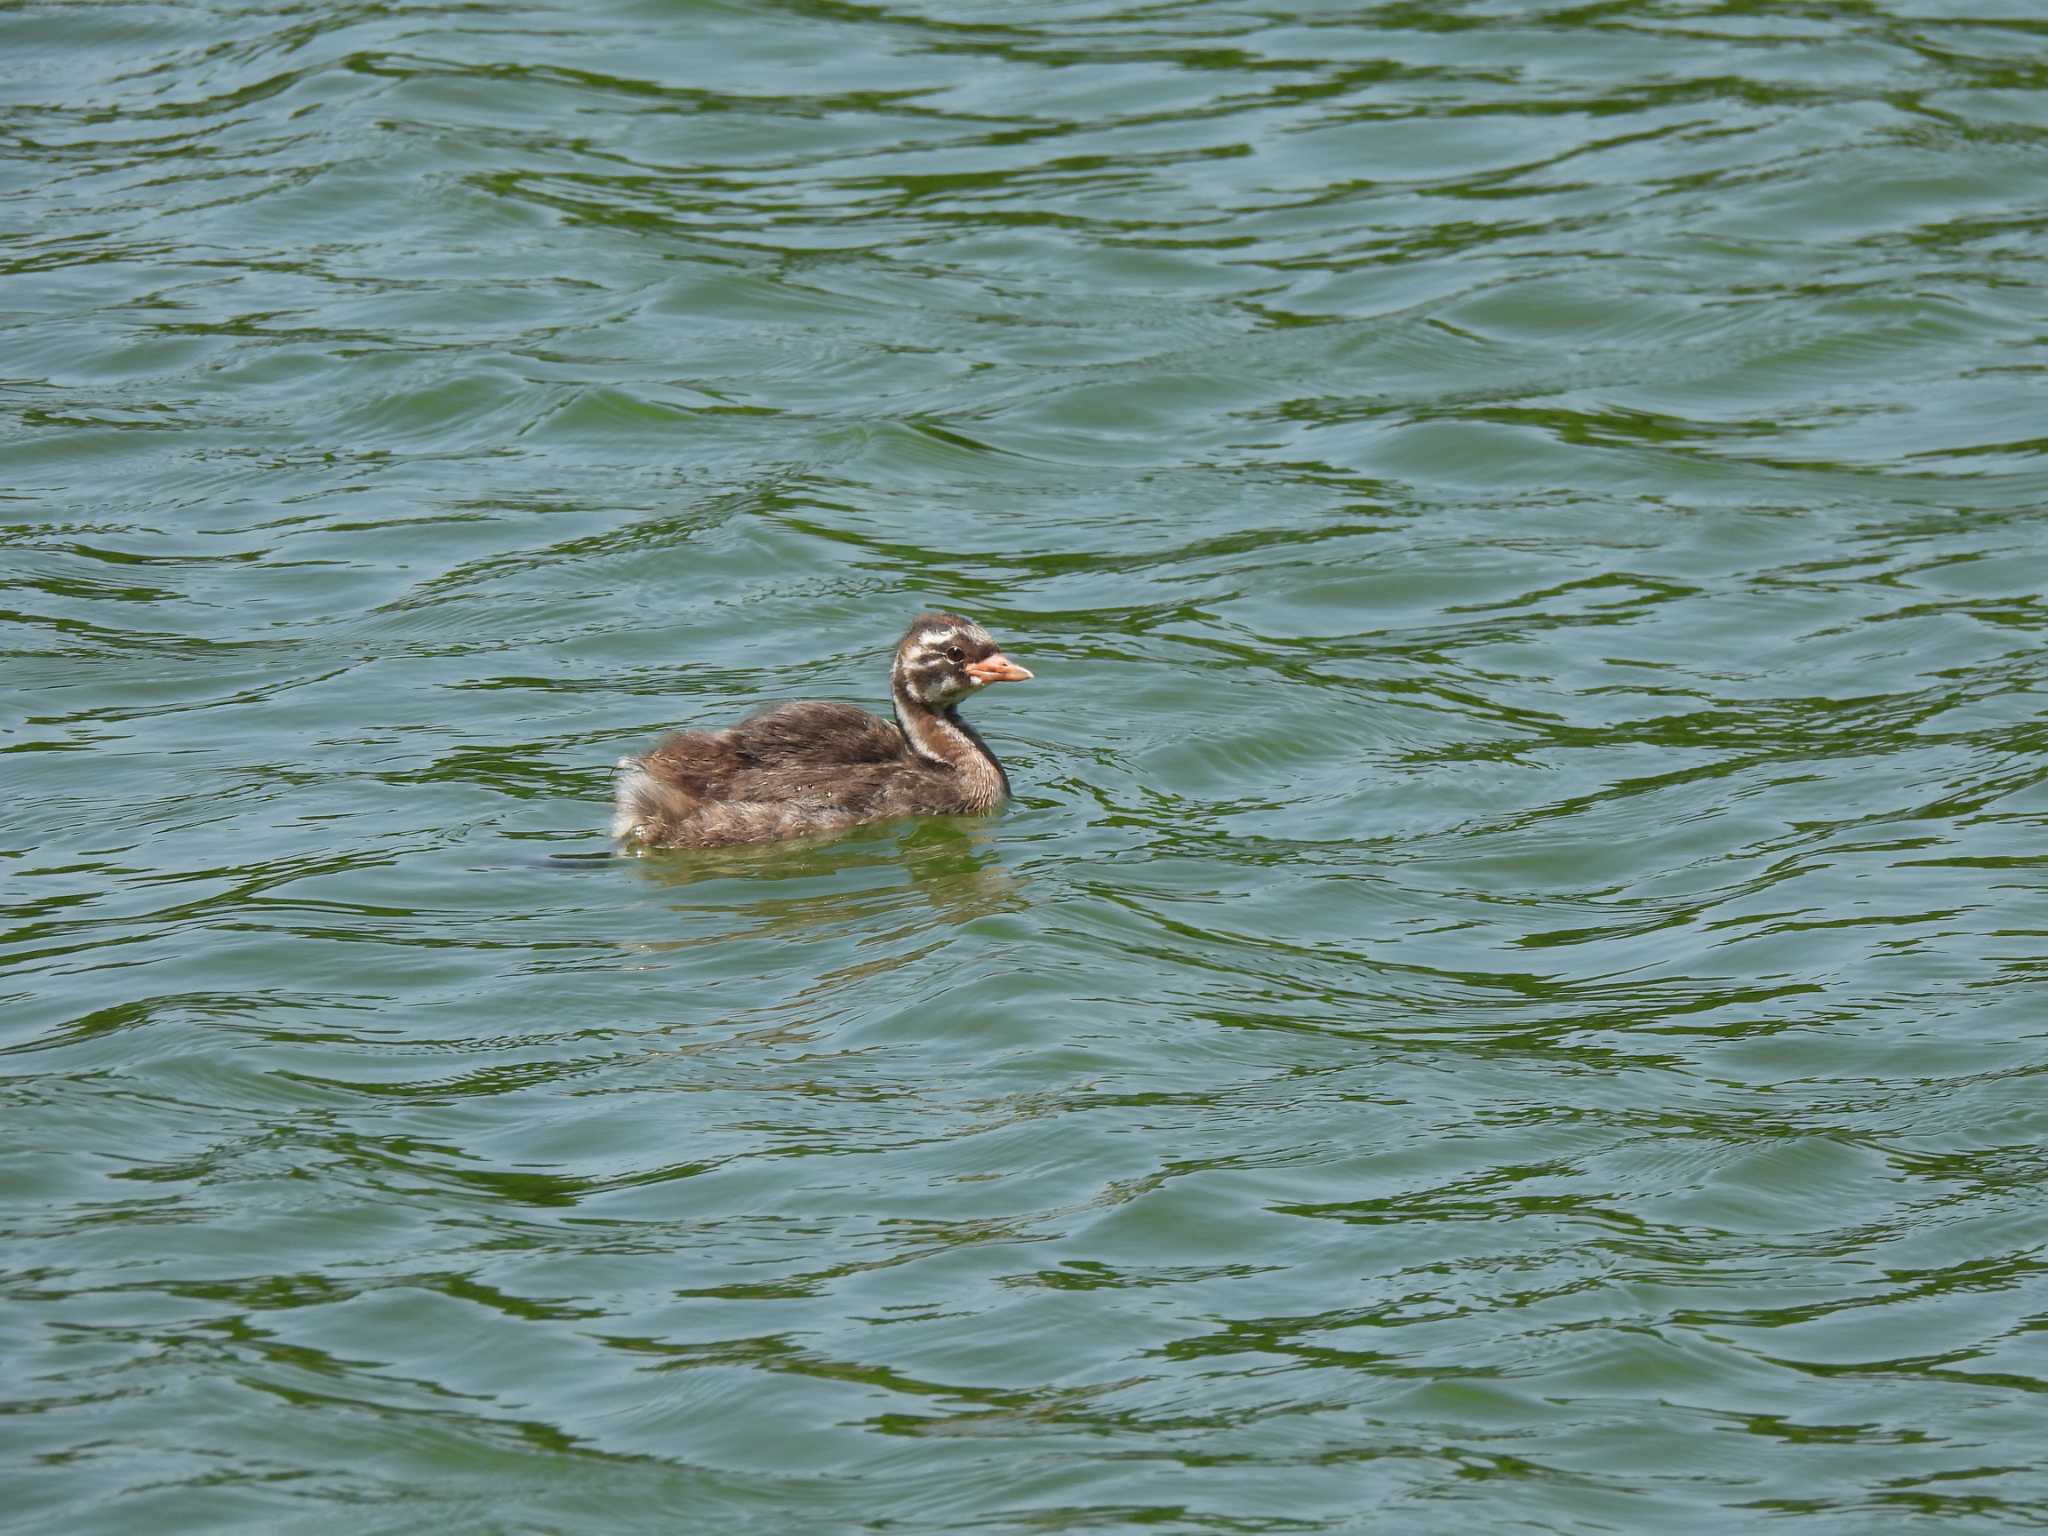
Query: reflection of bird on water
[(951, 867), (812, 766)]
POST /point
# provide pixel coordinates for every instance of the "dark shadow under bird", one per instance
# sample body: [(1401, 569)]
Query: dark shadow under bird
[(812, 766)]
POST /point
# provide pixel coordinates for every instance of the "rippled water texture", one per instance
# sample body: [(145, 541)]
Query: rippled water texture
[(1510, 997)]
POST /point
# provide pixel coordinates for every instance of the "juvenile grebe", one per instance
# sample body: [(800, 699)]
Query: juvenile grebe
[(811, 766)]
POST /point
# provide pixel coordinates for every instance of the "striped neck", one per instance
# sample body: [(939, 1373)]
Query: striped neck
[(940, 738)]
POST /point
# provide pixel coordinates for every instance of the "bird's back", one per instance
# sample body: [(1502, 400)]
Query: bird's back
[(817, 731)]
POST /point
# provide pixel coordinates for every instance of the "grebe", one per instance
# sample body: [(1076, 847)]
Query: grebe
[(812, 766)]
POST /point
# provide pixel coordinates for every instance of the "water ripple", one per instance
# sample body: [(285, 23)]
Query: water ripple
[(1507, 990)]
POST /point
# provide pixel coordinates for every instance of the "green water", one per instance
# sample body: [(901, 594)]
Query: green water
[(1509, 998)]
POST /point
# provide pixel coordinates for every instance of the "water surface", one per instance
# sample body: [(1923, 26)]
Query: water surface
[(1508, 998)]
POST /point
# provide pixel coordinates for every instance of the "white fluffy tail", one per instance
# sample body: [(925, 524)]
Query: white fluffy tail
[(636, 800)]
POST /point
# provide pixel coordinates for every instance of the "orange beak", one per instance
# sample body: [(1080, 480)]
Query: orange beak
[(996, 669)]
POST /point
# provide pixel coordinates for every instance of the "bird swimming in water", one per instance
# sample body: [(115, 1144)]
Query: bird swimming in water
[(813, 766)]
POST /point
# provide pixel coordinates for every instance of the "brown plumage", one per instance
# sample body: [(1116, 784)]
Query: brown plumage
[(812, 766)]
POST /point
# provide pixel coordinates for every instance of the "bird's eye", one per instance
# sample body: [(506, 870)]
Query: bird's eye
[(954, 653)]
